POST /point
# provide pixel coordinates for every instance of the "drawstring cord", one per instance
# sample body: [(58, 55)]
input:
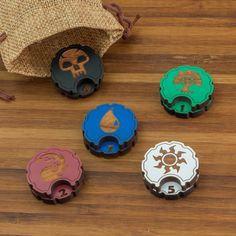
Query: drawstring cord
[(6, 97), (123, 20), (3, 36)]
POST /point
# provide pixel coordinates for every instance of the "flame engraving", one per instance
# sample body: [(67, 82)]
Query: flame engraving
[(52, 166)]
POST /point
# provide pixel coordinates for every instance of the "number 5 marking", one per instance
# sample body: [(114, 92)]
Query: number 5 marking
[(171, 189)]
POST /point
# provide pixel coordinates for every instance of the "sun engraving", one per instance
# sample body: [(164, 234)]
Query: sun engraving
[(170, 159)]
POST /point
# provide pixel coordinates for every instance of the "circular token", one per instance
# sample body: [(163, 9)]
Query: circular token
[(109, 129), (170, 169), (186, 88), (55, 174), (77, 71)]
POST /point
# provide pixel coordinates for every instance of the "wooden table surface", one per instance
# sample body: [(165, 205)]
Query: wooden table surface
[(114, 200)]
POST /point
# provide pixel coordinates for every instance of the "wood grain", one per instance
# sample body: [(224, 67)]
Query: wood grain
[(114, 200)]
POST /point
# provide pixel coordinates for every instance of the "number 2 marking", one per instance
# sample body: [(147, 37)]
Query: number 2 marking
[(63, 192)]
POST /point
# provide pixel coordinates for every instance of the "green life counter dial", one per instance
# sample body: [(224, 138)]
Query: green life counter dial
[(186, 91), (190, 84)]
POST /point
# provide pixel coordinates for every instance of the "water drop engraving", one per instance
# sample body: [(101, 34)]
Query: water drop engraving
[(109, 122)]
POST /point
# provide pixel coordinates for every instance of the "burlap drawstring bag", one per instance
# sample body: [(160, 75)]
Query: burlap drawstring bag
[(32, 31), (2, 67)]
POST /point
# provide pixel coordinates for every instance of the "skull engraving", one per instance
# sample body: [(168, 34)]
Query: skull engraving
[(73, 61)]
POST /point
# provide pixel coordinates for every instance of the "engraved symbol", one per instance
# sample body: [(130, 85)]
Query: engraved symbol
[(170, 159), (109, 122), (110, 148), (187, 79), (52, 166), (171, 189), (87, 88), (63, 192), (74, 61)]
